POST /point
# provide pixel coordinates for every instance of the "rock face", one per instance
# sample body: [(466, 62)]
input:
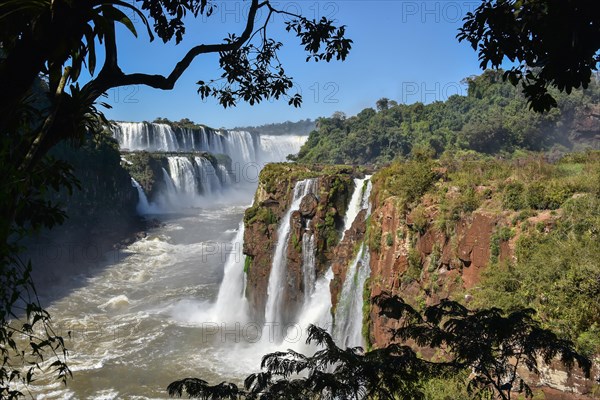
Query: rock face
[(413, 258), (320, 213), (308, 205)]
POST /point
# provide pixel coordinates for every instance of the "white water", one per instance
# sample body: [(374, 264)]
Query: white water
[(277, 275), (347, 329), (231, 304), (143, 207), (181, 171), (191, 181), (241, 146), (356, 202), (172, 305), (348, 321), (308, 265), (145, 316)]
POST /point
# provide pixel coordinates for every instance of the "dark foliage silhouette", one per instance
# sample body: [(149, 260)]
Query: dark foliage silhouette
[(487, 342)]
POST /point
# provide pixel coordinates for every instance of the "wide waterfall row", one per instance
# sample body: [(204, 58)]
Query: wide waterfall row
[(240, 146), (182, 182)]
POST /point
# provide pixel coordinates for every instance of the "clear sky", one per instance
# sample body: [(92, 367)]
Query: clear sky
[(404, 50)]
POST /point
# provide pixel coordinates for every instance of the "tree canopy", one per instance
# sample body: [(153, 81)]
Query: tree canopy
[(551, 43), (492, 117)]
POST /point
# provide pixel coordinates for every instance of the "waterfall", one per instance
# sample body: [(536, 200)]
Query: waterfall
[(143, 207), (347, 329), (241, 146), (171, 189), (317, 302), (183, 175), (207, 176), (317, 310), (308, 265), (231, 302), (277, 148), (276, 278), (356, 203), (190, 177)]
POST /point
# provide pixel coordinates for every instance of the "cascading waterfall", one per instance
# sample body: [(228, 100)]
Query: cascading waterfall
[(169, 182), (317, 306), (143, 207), (356, 202), (308, 265), (183, 175), (347, 330), (231, 302), (274, 290), (240, 146), (187, 178), (191, 177), (277, 148), (207, 176)]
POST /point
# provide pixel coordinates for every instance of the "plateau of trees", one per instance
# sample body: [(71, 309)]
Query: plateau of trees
[(492, 117)]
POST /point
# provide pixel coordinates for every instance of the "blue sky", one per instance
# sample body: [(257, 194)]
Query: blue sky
[(403, 50)]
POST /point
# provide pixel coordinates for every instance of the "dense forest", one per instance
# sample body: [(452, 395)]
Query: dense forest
[(492, 118)]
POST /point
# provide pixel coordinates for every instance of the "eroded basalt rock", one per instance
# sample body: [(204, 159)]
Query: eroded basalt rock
[(322, 213), (308, 205)]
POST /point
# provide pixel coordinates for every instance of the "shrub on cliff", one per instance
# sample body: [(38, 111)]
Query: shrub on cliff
[(407, 180)]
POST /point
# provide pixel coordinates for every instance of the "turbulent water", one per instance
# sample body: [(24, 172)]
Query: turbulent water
[(172, 305), (147, 315)]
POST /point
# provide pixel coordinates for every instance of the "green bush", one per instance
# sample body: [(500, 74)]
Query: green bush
[(557, 273), (247, 264), (469, 200), (513, 197), (547, 196), (419, 219), (503, 234), (389, 240), (407, 180), (413, 273)]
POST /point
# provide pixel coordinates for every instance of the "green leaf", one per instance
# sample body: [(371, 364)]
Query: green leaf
[(119, 16)]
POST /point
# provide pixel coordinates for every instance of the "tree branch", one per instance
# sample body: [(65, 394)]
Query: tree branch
[(111, 75)]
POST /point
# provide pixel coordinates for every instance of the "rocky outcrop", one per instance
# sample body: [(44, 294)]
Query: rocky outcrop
[(418, 258), (320, 213)]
